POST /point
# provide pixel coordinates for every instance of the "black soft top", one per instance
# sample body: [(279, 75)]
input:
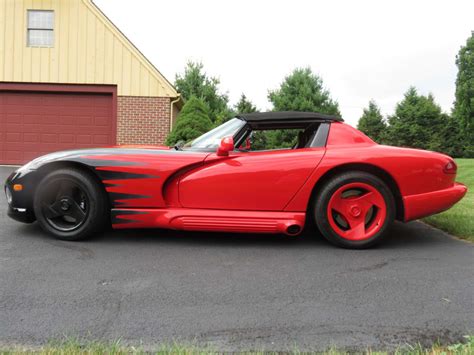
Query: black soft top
[(288, 116)]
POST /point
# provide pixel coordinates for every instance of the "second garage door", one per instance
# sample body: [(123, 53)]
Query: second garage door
[(36, 123)]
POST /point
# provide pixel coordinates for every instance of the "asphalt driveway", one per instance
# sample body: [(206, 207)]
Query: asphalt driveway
[(234, 291)]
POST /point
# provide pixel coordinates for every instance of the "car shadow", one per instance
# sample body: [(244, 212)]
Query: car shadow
[(400, 235)]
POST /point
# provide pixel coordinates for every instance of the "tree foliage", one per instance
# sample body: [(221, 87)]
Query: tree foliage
[(244, 105), (192, 121), (303, 90), (417, 122), (372, 123), (195, 82), (464, 105), (452, 139)]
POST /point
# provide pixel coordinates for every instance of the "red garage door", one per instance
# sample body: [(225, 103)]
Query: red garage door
[(33, 123)]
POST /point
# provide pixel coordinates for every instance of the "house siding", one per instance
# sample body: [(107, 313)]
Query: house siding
[(88, 49)]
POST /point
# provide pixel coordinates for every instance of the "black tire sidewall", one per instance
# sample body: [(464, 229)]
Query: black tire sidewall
[(98, 211), (321, 202)]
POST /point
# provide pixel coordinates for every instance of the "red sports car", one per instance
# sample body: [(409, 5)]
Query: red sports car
[(237, 178)]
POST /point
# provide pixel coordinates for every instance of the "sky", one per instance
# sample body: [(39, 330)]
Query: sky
[(362, 49)]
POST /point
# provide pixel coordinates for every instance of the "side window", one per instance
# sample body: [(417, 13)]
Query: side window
[(274, 139), (295, 136)]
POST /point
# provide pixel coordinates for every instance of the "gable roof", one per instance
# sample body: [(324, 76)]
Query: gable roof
[(165, 83)]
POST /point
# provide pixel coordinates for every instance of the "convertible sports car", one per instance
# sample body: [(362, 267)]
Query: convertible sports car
[(334, 179)]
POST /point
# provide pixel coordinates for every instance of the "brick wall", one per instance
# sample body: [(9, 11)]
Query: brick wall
[(142, 120)]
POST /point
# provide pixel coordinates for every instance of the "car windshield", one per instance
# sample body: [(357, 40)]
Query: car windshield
[(213, 138)]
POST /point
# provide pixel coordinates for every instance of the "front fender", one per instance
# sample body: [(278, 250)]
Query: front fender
[(133, 178)]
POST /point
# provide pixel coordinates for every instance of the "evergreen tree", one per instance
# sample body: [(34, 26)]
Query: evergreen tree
[(464, 104), (244, 105), (372, 122), (303, 91), (452, 139), (417, 122), (195, 82), (192, 121)]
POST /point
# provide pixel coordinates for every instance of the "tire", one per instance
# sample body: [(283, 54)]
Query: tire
[(354, 210), (71, 205)]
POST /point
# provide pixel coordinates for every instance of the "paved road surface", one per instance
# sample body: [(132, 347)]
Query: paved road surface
[(234, 291)]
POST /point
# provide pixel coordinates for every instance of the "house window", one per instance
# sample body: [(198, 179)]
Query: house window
[(40, 28)]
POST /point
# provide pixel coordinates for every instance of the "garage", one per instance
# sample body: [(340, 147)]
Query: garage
[(36, 119), (68, 83)]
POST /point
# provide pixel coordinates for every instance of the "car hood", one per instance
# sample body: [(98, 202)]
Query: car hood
[(141, 146), (120, 152)]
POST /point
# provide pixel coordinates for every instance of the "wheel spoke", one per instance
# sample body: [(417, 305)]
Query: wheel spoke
[(53, 210), (357, 230), (368, 200), (339, 204), (76, 212)]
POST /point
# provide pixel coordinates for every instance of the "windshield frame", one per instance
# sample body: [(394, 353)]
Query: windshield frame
[(210, 140)]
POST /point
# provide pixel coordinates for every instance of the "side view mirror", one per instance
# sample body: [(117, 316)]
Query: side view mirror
[(226, 146)]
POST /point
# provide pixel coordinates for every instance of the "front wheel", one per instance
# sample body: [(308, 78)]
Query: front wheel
[(70, 204), (354, 210)]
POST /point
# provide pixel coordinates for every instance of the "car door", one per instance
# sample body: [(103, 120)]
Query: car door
[(254, 181)]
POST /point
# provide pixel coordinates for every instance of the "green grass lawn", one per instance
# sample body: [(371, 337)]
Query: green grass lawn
[(73, 347), (459, 220)]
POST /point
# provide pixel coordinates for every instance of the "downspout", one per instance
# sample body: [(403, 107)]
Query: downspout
[(171, 110)]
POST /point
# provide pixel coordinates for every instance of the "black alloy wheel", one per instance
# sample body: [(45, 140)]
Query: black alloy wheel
[(71, 204), (66, 209)]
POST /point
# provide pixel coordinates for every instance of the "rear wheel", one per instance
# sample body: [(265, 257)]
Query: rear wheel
[(354, 210), (70, 204)]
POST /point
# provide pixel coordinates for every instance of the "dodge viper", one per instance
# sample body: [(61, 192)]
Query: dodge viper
[(333, 179)]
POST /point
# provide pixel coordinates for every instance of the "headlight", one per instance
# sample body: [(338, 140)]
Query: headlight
[(8, 193)]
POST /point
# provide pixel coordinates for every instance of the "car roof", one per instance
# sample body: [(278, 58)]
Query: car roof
[(288, 116)]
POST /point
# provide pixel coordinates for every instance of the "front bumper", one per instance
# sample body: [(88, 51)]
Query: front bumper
[(422, 205), (20, 202), (21, 214)]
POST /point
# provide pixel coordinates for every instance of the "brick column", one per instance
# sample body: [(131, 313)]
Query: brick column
[(142, 120)]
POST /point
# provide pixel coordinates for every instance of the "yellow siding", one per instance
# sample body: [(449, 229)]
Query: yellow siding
[(3, 6), (9, 19), (88, 49)]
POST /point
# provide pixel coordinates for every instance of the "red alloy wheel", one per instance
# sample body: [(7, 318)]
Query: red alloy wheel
[(356, 211)]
